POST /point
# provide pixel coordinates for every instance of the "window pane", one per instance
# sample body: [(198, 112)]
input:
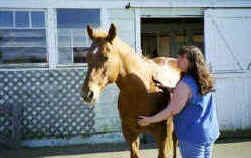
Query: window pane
[(79, 38), (23, 46), (22, 19), (64, 38), (23, 38), (77, 18), (6, 19), (37, 19), (65, 56), (80, 54), (72, 39), (11, 55)]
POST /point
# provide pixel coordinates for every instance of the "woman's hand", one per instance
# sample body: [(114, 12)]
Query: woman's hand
[(144, 121), (158, 83), (161, 86)]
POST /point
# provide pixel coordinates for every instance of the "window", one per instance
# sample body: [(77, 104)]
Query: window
[(22, 37), (73, 43)]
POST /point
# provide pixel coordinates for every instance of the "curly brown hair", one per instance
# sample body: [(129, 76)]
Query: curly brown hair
[(198, 68)]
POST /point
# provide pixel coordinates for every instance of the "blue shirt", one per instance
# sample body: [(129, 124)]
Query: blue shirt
[(197, 122)]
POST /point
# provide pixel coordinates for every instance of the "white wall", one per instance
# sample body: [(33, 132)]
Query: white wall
[(106, 111), (227, 33), (233, 102), (124, 20)]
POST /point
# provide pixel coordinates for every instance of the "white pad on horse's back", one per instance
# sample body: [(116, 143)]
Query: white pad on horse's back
[(167, 75)]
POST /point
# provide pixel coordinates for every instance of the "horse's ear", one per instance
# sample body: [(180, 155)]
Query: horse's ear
[(90, 32), (111, 34)]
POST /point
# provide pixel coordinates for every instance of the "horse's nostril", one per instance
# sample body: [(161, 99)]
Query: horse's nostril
[(88, 97), (90, 94), (85, 98)]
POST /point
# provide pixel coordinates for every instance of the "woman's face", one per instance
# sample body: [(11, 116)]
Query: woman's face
[(183, 62)]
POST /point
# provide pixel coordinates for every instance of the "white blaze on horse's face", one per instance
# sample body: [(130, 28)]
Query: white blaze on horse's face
[(96, 78), (95, 50)]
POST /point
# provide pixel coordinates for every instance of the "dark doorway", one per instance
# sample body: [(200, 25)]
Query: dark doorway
[(164, 36)]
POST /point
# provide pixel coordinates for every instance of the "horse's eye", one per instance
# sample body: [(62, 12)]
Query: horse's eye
[(106, 58)]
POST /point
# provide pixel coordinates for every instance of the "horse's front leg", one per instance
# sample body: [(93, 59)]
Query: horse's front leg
[(132, 138)]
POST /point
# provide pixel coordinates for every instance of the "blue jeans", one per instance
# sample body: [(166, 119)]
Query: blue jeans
[(190, 150)]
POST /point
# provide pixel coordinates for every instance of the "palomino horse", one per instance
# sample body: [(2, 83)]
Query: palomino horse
[(110, 60)]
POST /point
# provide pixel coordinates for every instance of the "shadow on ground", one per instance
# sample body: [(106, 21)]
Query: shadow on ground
[(83, 149), (232, 140), (67, 150)]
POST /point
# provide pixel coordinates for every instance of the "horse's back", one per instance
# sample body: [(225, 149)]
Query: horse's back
[(165, 60)]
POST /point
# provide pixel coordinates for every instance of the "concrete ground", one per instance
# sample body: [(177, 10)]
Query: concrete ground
[(225, 148)]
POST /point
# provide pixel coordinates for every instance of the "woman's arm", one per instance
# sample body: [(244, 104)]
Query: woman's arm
[(178, 101)]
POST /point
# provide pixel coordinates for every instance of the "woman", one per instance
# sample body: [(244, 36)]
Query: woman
[(192, 106)]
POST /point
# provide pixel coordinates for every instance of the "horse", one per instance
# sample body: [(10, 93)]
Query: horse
[(110, 60)]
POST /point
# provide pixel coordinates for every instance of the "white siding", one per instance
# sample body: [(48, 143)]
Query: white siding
[(62, 4), (227, 49), (106, 111), (227, 35), (124, 21), (188, 4), (232, 100), (170, 12)]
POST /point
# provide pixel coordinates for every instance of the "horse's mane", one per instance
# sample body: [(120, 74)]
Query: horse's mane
[(130, 52), (164, 70)]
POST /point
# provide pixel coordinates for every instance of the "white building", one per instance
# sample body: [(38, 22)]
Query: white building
[(45, 35)]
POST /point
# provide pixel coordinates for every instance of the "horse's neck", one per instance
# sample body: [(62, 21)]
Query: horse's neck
[(135, 73)]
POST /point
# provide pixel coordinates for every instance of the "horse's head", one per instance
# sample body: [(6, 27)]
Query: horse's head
[(103, 63)]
